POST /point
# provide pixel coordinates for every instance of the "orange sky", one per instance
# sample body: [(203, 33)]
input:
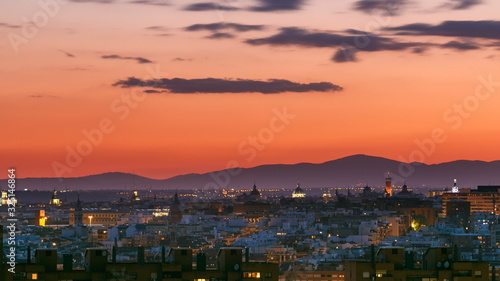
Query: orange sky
[(57, 86)]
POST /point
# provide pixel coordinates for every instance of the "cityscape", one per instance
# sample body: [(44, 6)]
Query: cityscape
[(250, 140)]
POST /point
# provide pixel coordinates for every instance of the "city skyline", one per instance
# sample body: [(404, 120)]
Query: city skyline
[(164, 88)]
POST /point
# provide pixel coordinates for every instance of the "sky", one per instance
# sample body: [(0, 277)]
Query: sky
[(168, 87)]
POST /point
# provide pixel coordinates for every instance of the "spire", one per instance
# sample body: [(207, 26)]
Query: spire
[(176, 198), (78, 203), (255, 191), (455, 187)]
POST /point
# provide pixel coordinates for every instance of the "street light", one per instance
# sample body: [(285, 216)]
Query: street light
[(90, 218)]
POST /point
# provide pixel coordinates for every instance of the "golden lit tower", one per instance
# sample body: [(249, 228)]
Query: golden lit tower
[(388, 185), (54, 200)]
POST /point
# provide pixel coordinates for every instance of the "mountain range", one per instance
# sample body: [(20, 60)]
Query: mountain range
[(355, 170)]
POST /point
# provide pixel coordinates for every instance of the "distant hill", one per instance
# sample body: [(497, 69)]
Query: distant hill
[(343, 172)]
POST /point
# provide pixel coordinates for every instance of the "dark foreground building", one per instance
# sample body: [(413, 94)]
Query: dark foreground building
[(231, 266)]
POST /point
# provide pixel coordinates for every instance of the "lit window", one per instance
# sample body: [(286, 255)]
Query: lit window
[(251, 274), (33, 276), (200, 279)]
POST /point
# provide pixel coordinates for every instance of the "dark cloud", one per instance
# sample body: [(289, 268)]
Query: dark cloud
[(304, 38), (138, 59), (67, 54), (157, 28), (181, 59), (385, 7), (153, 91), (473, 29), (216, 85), (220, 25), (419, 50), (345, 55), (151, 2), (9, 25), (461, 4), (221, 35), (348, 44), (38, 96), (93, 1), (278, 5), (209, 6), (461, 46)]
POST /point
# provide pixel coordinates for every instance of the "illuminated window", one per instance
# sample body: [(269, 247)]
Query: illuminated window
[(251, 274), (33, 276), (201, 279)]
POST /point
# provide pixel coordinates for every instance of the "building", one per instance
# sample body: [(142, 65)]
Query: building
[(100, 266), (298, 192), (54, 200), (394, 264), (96, 217), (388, 186), (485, 199)]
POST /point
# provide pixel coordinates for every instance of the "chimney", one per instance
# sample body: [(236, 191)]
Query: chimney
[(372, 253), (67, 262), (47, 258), (247, 254), (229, 259), (182, 256), (113, 254), (1, 244), (28, 255), (480, 253), (96, 260), (140, 255), (201, 261)]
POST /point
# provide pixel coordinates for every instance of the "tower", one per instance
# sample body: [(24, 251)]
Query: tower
[(455, 187), (135, 196), (298, 192), (78, 212), (255, 192), (54, 200), (388, 186)]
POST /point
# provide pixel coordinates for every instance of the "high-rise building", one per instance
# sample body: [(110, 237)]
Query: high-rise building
[(484, 199)]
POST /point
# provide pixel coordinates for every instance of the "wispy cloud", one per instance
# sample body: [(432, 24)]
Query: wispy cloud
[(93, 1), (461, 46), (461, 4), (151, 2), (67, 54), (209, 6), (474, 29), (278, 5), (221, 26), (386, 7), (221, 35), (138, 59), (3, 24), (216, 85)]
